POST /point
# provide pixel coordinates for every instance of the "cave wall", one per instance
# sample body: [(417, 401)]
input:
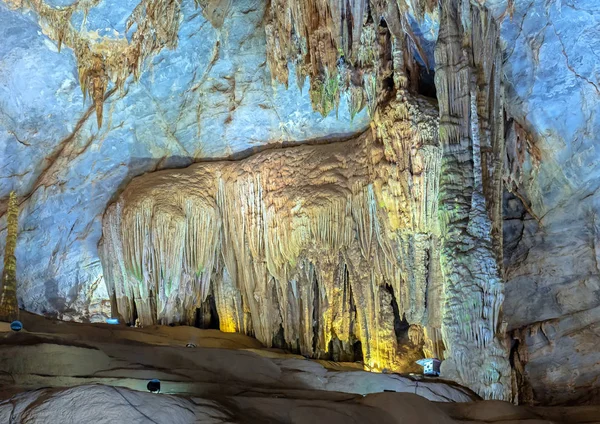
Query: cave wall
[(194, 100), (551, 217), (66, 170)]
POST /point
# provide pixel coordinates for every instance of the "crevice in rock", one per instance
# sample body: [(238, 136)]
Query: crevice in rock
[(207, 316), (358, 351), (316, 316), (134, 314), (568, 63), (426, 82), (401, 325), (279, 340)]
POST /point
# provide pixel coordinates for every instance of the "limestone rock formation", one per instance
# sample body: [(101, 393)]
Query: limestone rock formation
[(51, 353), (276, 258), (346, 47), (470, 96), (9, 309), (106, 404), (315, 244), (211, 96), (73, 373), (96, 92), (99, 373)]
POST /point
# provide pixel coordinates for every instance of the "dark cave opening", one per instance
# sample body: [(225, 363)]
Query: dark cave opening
[(358, 352), (207, 316), (134, 313), (426, 83), (279, 339), (350, 351), (401, 325), (315, 314)]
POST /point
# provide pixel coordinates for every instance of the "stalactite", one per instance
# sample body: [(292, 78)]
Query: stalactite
[(470, 102), (343, 47), (345, 42), (9, 308), (298, 243), (109, 59)]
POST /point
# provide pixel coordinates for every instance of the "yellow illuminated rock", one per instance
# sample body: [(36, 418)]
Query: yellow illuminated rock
[(314, 243)]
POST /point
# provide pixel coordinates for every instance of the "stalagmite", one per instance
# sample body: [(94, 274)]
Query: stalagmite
[(468, 66), (9, 308), (305, 247)]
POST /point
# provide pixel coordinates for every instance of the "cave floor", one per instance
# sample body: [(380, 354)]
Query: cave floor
[(98, 373)]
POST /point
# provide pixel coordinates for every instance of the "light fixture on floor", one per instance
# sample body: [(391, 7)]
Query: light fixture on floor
[(154, 386)]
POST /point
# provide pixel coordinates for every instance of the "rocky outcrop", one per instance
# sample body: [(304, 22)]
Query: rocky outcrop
[(314, 245), (106, 404), (58, 354), (72, 373), (550, 215)]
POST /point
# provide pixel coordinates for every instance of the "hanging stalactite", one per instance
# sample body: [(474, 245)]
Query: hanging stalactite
[(300, 241), (343, 47), (108, 59)]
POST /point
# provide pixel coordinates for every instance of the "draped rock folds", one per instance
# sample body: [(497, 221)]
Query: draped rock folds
[(344, 47), (468, 81), (310, 247), (317, 248)]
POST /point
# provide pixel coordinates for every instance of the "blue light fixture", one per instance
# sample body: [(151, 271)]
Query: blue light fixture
[(16, 326)]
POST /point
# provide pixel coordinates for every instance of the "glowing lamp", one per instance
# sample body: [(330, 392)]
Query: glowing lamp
[(431, 366), (16, 326)]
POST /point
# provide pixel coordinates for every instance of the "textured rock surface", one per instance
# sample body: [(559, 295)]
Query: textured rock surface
[(311, 244), (9, 308), (470, 98), (105, 404), (197, 101), (58, 354), (210, 97), (72, 373), (385, 50), (286, 239), (551, 243)]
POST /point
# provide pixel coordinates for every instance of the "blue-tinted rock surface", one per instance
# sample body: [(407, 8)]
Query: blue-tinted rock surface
[(553, 280), (210, 97)]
